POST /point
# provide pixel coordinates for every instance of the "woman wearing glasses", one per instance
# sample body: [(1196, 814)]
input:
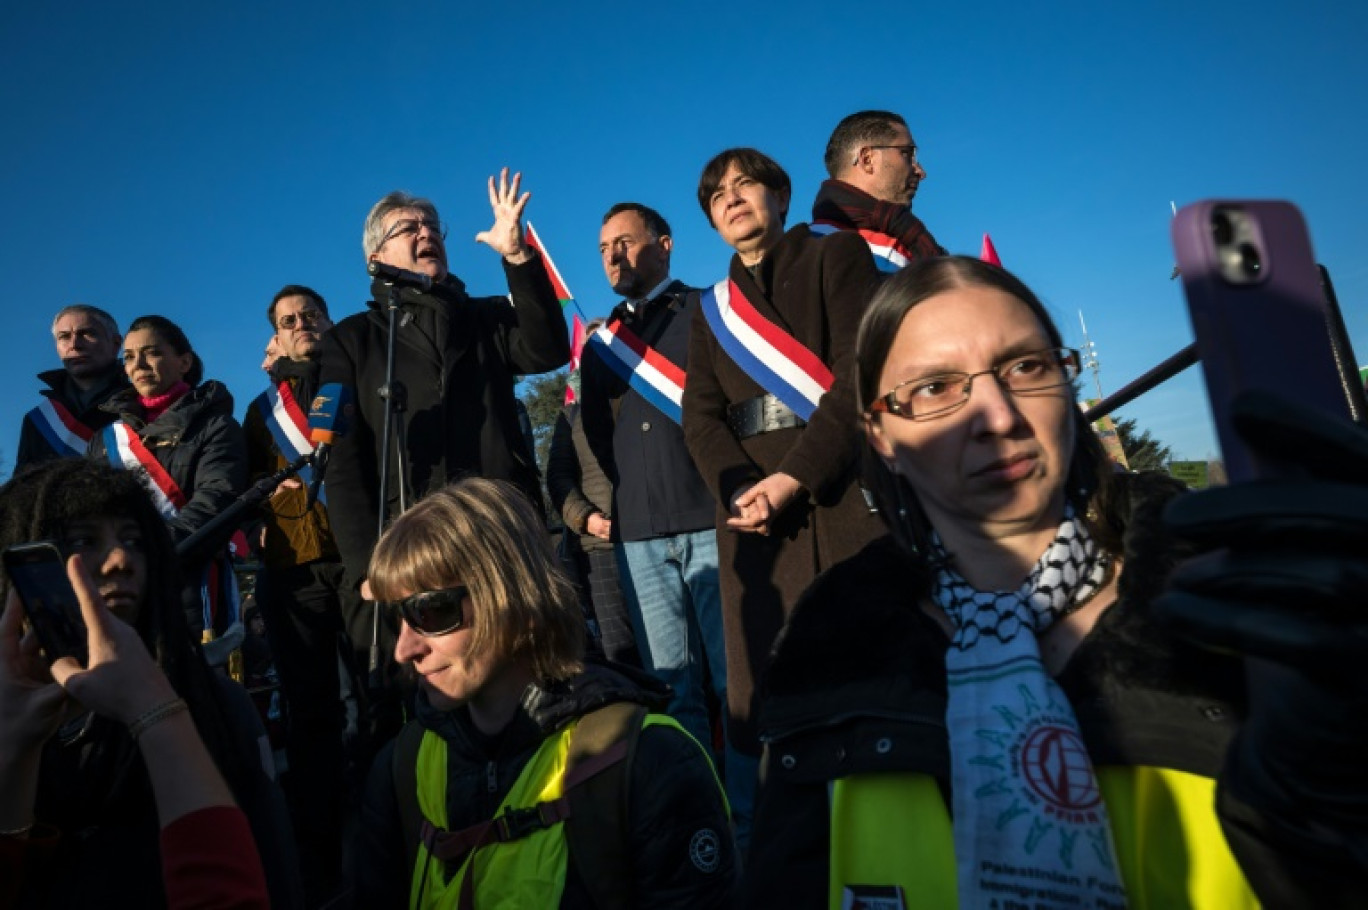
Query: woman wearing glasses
[(996, 660), (528, 777), (179, 429)]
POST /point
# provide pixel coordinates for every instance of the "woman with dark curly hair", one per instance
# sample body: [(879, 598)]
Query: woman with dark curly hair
[(92, 786)]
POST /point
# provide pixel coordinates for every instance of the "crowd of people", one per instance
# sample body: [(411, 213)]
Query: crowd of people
[(847, 606)]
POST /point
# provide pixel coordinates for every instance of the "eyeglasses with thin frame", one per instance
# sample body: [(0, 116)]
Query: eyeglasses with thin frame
[(433, 613), (405, 227), (927, 397), (308, 318), (909, 152)]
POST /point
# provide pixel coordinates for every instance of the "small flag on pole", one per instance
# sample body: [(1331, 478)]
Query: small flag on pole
[(557, 283), (577, 339), (988, 253)]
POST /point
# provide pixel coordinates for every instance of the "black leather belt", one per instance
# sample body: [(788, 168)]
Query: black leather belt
[(762, 414)]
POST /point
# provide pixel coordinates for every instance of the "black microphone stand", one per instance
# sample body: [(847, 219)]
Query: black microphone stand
[(255, 495), (395, 397)]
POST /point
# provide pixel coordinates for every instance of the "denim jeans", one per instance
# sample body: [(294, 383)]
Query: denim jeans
[(675, 604)]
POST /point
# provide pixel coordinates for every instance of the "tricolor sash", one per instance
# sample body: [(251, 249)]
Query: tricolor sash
[(289, 426), (66, 435), (772, 357), (126, 451), (650, 373), (889, 254), (218, 584)]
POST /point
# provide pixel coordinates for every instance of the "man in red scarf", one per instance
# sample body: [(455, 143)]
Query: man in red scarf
[(872, 160)]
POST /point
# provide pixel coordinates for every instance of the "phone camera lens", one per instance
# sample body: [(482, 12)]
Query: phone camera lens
[(1250, 260), (1222, 229)]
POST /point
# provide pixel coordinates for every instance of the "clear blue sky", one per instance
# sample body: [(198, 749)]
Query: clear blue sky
[(190, 159)]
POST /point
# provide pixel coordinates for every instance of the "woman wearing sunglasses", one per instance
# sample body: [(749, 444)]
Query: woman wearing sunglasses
[(527, 775), (1010, 717)]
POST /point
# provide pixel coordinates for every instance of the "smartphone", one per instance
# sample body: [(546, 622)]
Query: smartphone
[(1259, 314), (38, 572)]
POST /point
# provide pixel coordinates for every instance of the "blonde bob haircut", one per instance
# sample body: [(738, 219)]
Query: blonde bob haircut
[(485, 535)]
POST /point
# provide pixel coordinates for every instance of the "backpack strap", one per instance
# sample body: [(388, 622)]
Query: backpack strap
[(404, 771), (597, 832)]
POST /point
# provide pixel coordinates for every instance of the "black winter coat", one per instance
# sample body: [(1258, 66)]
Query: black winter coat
[(200, 444), (458, 358), (673, 795)]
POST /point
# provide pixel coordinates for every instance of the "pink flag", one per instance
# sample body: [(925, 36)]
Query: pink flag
[(577, 339), (988, 253)]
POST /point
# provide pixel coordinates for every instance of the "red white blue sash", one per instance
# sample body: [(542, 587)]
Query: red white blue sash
[(889, 254), (650, 373), (288, 424), (126, 450), (63, 432), (772, 357)]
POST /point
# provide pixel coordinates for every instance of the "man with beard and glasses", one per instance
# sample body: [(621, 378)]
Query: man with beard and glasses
[(88, 343), (872, 161)]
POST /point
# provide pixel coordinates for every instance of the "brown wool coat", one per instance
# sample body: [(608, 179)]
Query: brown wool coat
[(815, 288)]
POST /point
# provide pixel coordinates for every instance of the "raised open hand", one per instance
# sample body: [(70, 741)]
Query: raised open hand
[(505, 236)]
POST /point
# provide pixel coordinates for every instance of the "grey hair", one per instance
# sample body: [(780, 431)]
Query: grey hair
[(105, 320), (373, 234)]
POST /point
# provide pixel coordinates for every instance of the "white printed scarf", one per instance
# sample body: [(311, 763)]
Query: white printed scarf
[(1030, 824)]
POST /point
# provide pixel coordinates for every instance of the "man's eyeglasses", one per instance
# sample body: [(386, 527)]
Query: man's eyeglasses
[(432, 613), (909, 152), (943, 393), (303, 317), (406, 227)]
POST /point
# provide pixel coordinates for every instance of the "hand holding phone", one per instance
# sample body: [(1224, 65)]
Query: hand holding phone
[(39, 573)]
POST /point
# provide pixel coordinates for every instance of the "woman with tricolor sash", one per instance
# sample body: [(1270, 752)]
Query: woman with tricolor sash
[(178, 430), (769, 409), (993, 706)]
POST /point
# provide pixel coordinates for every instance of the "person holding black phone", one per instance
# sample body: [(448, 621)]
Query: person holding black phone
[(68, 770)]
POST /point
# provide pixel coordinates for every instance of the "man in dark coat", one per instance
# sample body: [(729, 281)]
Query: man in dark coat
[(872, 161), (88, 343), (789, 505), (457, 358), (300, 588)]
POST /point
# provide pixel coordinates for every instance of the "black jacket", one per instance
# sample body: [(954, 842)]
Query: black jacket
[(200, 444), (458, 358), (657, 490), (33, 446), (859, 664), (673, 795)]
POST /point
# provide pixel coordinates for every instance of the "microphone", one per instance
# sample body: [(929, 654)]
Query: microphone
[(395, 275), (330, 418)]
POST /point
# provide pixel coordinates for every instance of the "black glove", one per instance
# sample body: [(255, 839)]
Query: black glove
[(1282, 578)]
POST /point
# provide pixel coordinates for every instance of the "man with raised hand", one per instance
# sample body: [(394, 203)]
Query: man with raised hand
[(88, 343)]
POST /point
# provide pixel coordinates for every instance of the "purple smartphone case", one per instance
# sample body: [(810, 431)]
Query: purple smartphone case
[(1271, 334)]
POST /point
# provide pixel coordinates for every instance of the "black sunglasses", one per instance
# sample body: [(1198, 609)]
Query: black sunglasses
[(431, 613)]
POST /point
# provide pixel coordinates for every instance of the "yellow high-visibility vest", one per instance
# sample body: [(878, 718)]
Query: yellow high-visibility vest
[(894, 829)]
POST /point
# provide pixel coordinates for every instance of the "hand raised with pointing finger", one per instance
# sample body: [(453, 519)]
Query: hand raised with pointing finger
[(505, 236)]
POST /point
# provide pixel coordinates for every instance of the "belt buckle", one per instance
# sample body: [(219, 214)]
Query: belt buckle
[(518, 823)]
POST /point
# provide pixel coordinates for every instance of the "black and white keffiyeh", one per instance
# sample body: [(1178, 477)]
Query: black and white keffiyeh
[(1029, 817)]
